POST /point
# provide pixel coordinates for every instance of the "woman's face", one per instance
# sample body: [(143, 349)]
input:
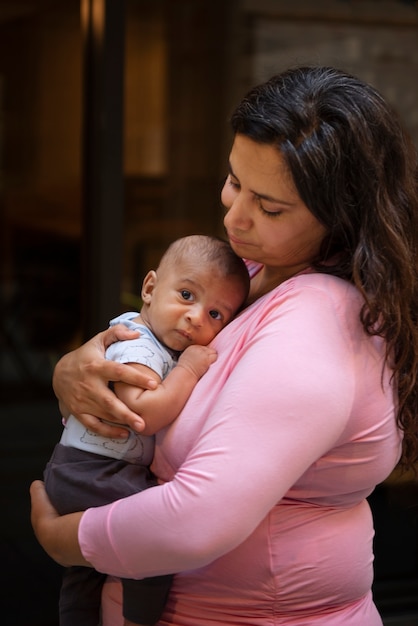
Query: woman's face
[(266, 220)]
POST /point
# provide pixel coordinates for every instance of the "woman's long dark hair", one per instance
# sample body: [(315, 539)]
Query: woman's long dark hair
[(355, 168)]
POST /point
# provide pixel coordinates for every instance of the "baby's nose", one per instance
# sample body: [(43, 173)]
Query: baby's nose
[(195, 315)]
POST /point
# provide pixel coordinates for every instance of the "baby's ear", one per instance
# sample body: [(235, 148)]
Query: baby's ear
[(148, 286)]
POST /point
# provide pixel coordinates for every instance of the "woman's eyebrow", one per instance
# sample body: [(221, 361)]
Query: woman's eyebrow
[(268, 198), (262, 196)]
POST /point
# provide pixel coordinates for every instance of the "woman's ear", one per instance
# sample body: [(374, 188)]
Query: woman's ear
[(148, 286)]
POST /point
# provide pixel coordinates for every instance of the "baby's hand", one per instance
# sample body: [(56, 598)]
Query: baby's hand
[(197, 359)]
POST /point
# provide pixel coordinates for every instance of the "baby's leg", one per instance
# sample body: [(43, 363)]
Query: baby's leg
[(144, 600)]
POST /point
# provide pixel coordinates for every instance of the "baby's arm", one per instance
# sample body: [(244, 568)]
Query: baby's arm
[(159, 407)]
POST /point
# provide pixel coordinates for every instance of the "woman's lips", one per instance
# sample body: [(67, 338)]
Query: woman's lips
[(237, 241)]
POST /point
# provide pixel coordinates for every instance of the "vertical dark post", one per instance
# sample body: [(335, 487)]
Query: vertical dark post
[(103, 30), (197, 35)]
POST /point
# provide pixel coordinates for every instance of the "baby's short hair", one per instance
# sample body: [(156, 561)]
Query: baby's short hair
[(207, 249)]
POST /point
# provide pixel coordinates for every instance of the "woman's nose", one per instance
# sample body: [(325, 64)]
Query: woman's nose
[(236, 214)]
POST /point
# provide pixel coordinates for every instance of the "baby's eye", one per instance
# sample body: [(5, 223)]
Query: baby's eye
[(215, 315), (186, 294)]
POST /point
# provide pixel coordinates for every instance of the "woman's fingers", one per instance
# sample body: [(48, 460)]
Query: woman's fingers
[(118, 332), (42, 508), (58, 535), (81, 382), (43, 515)]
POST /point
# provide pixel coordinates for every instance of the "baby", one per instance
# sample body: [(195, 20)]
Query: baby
[(198, 287)]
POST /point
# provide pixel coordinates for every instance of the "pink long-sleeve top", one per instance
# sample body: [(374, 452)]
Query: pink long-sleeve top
[(263, 515)]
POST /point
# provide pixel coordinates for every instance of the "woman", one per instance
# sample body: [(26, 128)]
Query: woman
[(312, 400)]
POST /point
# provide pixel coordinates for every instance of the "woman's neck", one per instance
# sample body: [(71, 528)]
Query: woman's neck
[(267, 278)]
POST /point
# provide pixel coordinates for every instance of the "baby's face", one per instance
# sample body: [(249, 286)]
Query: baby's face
[(190, 306)]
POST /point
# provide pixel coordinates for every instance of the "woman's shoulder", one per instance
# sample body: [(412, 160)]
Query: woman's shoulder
[(333, 287), (308, 300), (312, 300), (311, 280)]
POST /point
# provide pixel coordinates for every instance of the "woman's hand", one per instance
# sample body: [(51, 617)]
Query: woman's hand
[(58, 535), (81, 383)]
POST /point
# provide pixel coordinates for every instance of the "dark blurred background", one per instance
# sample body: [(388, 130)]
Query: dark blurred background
[(113, 142)]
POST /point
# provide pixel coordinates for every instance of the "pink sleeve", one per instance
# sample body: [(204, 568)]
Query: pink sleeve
[(284, 404)]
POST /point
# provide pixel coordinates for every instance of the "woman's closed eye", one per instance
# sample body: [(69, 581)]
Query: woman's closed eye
[(233, 183), (264, 210), (261, 202)]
